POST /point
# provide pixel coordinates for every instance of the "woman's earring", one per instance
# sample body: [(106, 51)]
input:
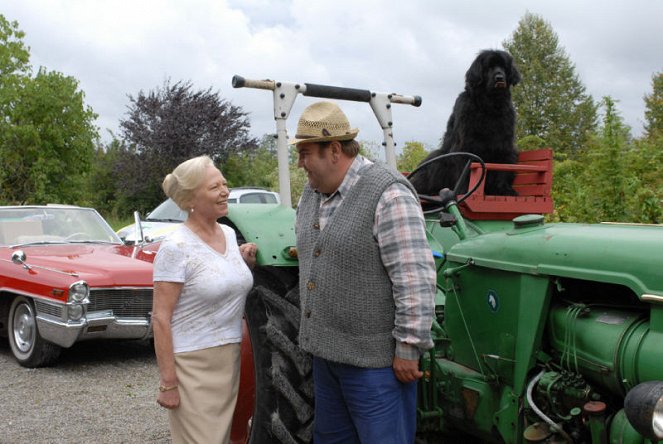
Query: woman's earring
[(192, 209)]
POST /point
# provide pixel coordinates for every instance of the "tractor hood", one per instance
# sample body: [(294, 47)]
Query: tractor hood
[(624, 254)]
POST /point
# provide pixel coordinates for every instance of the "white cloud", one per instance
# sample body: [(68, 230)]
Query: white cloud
[(420, 47)]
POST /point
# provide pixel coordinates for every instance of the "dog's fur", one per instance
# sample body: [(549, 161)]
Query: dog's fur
[(482, 123)]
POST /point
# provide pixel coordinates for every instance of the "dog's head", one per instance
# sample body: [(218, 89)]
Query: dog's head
[(492, 70)]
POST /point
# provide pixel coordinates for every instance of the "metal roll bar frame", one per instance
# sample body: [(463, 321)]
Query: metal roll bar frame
[(285, 93)]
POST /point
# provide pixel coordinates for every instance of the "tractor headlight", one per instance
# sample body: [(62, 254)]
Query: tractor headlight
[(79, 292), (643, 406)]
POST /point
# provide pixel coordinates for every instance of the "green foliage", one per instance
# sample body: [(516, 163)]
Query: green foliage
[(14, 56), (645, 185), (298, 180), (47, 136), (531, 142), (14, 68), (605, 157), (255, 167), (568, 196), (613, 180), (47, 141), (101, 185), (413, 154), (550, 101), (600, 174), (14, 64), (654, 108), (116, 222)]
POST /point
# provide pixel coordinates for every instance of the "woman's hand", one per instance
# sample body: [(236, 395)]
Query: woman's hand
[(248, 252), (169, 399), (165, 297)]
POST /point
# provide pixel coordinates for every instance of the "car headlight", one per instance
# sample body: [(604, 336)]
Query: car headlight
[(75, 312), (79, 291), (643, 406)]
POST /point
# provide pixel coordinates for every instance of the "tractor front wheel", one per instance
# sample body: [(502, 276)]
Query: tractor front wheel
[(283, 410)]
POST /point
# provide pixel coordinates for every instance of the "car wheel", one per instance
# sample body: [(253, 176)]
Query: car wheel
[(27, 345), (283, 410)]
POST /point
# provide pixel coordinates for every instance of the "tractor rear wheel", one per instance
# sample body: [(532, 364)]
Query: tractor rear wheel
[(283, 410)]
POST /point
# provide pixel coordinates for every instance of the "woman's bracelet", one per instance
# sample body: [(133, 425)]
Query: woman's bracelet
[(163, 388)]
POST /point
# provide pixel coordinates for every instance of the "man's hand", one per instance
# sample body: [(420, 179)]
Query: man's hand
[(406, 370)]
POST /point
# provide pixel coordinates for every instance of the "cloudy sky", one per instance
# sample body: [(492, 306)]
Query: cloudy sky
[(116, 48)]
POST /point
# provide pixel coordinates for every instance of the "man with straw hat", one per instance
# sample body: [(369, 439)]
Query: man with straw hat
[(367, 284)]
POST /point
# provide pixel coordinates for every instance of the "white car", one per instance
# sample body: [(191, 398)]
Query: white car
[(253, 195), (164, 218)]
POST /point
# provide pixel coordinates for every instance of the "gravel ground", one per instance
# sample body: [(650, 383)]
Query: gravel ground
[(98, 392)]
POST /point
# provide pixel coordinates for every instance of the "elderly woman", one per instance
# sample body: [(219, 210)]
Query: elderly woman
[(201, 280)]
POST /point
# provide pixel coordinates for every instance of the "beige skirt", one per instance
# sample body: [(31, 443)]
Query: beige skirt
[(208, 382)]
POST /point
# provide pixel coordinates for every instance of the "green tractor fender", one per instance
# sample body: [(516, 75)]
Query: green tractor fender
[(270, 226)]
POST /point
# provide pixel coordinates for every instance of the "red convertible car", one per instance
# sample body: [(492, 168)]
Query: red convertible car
[(66, 276)]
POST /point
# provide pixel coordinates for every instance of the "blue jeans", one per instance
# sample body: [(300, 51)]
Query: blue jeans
[(362, 405)]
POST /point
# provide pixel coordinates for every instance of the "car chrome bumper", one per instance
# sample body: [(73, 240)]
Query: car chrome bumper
[(111, 313), (65, 334)]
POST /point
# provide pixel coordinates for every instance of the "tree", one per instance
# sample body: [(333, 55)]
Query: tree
[(371, 150), (413, 154), (14, 61), (47, 135), (101, 190), (550, 101), (645, 185), (49, 143), (645, 161), (169, 125), (613, 179), (654, 108), (606, 170), (14, 68), (254, 167)]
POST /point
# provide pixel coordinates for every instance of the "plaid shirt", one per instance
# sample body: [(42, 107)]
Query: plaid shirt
[(400, 233)]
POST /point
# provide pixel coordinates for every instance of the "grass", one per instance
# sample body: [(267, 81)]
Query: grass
[(117, 223)]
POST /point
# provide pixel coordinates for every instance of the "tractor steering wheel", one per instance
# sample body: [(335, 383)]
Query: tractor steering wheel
[(441, 202)]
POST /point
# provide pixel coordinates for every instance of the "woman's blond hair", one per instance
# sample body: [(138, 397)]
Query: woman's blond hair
[(185, 178)]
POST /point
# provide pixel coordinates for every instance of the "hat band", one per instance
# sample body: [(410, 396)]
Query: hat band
[(302, 136)]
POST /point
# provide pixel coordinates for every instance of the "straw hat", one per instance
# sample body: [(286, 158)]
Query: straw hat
[(323, 122)]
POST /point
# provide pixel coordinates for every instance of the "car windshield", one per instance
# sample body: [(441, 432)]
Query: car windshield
[(168, 211), (53, 225)]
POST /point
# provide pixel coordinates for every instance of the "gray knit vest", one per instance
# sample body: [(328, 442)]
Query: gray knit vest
[(346, 295)]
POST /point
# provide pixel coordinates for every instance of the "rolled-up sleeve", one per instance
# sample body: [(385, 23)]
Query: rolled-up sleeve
[(401, 235)]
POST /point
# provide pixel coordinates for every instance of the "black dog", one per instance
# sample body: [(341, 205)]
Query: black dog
[(482, 123)]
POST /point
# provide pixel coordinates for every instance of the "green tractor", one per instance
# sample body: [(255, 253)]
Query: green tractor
[(544, 332)]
